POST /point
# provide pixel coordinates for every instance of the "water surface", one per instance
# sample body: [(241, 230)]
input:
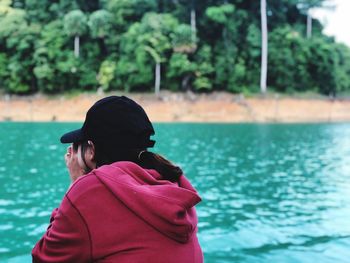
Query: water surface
[(271, 193)]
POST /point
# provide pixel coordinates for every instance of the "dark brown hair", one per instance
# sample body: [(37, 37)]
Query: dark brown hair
[(84, 146), (106, 154), (167, 169)]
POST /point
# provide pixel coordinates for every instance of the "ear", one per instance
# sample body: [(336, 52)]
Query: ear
[(91, 151)]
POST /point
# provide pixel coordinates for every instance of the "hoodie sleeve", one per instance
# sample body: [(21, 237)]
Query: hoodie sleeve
[(66, 239)]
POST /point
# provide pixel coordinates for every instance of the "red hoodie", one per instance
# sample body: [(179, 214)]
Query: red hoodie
[(123, 213)]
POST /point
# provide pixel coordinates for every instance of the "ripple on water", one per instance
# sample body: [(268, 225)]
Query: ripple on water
[(53, 147), (4, 202), (4, 249), (38, 230), (33, 170), (4, 227)]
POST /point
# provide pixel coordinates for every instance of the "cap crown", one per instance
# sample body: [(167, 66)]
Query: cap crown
[(118, 120), (115, 121)]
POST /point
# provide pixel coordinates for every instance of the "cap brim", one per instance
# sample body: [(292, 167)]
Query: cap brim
[(73, 136)]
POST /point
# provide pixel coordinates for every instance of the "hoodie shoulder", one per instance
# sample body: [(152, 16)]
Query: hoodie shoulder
[(167, 206)]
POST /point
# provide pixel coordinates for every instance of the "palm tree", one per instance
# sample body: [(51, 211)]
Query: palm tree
[(157, 59), (100, 24), (75, 24), (327, 5), (264, 47), (193, 21)]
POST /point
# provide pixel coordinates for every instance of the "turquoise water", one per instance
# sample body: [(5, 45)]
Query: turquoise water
[(271, 193)]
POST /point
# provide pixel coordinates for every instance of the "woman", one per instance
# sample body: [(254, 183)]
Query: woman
[(125, 204)]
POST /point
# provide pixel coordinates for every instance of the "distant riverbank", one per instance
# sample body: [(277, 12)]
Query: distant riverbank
[(182, 107)]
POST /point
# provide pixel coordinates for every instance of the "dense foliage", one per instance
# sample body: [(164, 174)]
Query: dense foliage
[(55, 46)]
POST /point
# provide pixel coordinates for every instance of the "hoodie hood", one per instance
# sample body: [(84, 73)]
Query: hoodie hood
[(166, 206)]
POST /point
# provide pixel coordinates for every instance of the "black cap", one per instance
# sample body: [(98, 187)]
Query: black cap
[(117, 121)]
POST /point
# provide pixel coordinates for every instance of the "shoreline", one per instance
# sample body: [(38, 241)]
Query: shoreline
[(217, 107)]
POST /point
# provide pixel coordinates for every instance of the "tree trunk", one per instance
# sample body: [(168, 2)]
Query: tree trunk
[(193, 22), (102, 46), (185, 81), (263, 76), (76, 46), (157, 80), (309, 25), (160, 6)]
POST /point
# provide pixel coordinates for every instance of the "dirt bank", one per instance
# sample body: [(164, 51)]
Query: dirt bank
[(181, 107)]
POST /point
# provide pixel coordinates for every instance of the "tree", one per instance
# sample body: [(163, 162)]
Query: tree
[(17, 38), (193, 20), (226, 21), (147, 43), (289, 55), (329, 67), (157, 59), (204, 69), (55, 67), (182, 39), (38, 11), (126, 12), (264, 48), (75, 24), (201, 45), (106, 74), (156, 40), (100, 24), (306, 7), (3, 70), (181, 70)]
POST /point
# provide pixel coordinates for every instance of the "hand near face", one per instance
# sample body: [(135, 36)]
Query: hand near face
[(72, 162)]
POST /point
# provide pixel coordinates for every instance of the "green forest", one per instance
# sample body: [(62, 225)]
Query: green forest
[(54, 46)]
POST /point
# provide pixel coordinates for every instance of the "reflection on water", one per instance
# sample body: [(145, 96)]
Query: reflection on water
[(271, 193)]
